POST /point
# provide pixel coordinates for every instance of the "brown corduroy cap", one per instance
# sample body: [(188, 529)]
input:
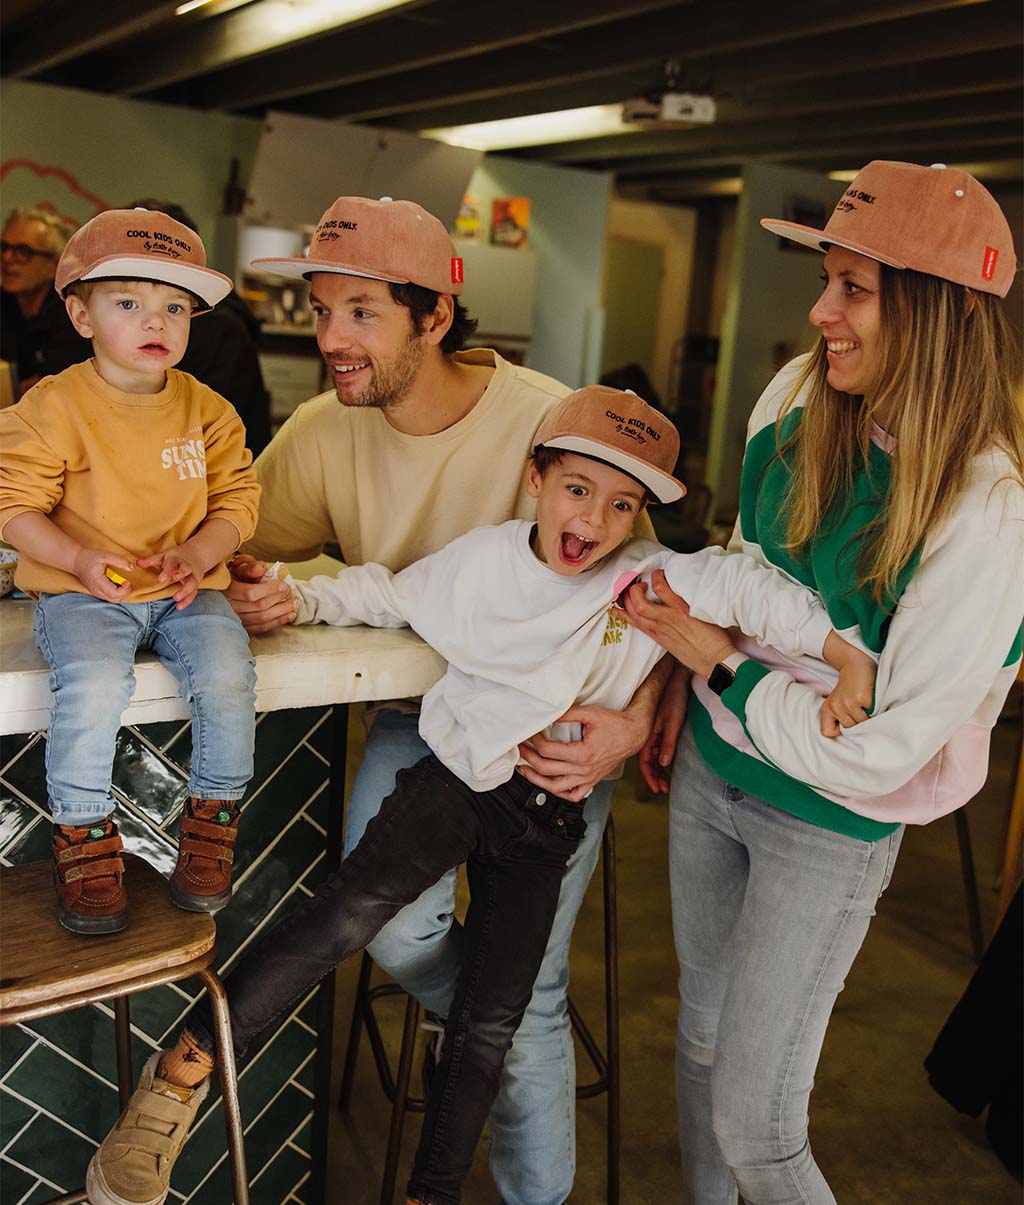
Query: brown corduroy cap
[(396, 241), (619, 429), (936, 220), (140, 244)]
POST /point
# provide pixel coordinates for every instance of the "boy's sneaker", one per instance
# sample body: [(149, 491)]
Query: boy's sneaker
[(88, 874), (133, 1164), (201, 881)]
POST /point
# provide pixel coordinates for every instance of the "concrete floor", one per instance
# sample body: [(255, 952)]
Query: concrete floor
[(879, 1132)]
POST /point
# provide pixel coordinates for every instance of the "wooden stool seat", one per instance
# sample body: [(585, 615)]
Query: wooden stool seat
[(46, 970)]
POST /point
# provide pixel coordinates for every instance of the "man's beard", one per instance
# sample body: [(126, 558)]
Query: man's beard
[(390, 379)]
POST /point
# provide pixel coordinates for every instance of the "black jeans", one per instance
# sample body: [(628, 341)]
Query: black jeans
[(515, 841)]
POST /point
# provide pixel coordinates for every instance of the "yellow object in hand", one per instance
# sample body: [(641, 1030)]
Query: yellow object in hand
[(114, 576)]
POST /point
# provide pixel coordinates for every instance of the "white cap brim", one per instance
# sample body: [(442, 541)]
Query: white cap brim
[(299, 269), (818, 240), (662, 485), (209, 286)]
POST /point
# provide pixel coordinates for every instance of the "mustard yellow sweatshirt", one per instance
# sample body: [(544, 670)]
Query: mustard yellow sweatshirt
[(128, 473)]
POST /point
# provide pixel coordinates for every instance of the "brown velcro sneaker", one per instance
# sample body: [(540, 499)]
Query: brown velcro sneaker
[(201, 881), (88, 874)]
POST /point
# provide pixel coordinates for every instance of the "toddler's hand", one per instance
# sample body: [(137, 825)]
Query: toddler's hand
[(850, 701), (90, 568), (180, 565)]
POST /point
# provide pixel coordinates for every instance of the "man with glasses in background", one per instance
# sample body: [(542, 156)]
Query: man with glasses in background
[(36, 335)]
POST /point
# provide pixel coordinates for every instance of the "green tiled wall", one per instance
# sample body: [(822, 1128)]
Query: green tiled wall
[(58, 1093)]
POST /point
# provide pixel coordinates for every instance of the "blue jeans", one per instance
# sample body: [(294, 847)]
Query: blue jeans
[(769, 913), (533, 1119), (90, 646)]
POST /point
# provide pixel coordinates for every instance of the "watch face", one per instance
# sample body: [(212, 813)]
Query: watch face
[(721, 678)]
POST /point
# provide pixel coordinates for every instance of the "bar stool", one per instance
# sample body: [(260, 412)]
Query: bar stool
[(48, 970), (396, 1084)]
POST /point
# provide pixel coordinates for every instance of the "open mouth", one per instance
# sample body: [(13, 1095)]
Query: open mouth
[(154, 349), (574, 550), (839, 347)]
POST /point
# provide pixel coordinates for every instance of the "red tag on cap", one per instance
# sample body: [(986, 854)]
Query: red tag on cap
[(456, 271), (988, 267)]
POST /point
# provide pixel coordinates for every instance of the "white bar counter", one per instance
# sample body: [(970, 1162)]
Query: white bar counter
[(311, 666)]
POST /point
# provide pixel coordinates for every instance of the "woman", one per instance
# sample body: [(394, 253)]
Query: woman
[(886, 471)]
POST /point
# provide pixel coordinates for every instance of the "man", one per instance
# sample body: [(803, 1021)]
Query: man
[(36, 335), (402, 466)]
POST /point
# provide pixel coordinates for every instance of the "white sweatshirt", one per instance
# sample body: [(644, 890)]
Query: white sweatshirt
[(949, 646), (524, 643)]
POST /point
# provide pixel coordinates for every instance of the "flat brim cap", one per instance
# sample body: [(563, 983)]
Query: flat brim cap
[(140, 244), (620, 429), (394, 241), (937, 220)]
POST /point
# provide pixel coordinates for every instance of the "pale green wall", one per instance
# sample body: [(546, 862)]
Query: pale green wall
[(116, 150), (770, 293), (568, 215)]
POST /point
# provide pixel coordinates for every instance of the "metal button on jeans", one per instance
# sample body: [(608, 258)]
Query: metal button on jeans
[(541, 799)]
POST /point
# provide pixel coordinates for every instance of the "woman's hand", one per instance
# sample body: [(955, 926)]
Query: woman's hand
[(658, 752), (696, 644)]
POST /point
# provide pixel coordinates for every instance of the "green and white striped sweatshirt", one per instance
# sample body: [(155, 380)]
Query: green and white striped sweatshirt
[(948, 646)]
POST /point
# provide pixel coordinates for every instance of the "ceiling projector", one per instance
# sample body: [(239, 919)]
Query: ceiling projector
[(690, 107)]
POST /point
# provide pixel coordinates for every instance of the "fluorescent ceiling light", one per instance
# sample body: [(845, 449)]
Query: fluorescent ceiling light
[(293, 18), (539, 129)]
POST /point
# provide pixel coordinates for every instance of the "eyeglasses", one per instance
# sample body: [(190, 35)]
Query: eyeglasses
[(21, 253)]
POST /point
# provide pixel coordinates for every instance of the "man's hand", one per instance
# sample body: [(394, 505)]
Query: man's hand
[(90, 566), (572, 769), (659, 750), (261, 606), (182, 565)]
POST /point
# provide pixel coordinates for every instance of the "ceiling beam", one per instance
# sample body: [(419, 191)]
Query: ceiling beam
[(849, 149), (65, 30), (188, 50), (613, 151), (468, 28), (727, 181), (709, 41)]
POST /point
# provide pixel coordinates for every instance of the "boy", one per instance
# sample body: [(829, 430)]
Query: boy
[(125, 486), (521, 612)]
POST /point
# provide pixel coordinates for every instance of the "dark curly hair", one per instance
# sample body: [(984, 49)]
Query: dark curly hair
[(422, 302)]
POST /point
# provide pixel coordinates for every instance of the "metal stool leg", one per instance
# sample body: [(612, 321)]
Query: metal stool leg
[(400, 1105), (963, 838), (123, 1039), (228, 1082), (611, 981), (355, 1033), (606, 1062)]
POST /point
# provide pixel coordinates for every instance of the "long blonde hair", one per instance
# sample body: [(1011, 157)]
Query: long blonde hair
[(947, 381)]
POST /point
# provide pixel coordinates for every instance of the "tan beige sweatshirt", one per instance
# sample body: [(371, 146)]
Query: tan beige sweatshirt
[(128, 473)]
